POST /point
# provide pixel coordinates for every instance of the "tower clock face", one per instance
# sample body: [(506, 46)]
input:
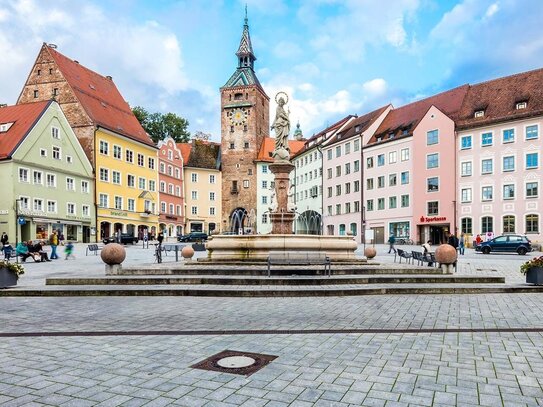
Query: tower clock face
[(238, 116)]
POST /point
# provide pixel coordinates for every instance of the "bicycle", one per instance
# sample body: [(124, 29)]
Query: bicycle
[(158, 252)]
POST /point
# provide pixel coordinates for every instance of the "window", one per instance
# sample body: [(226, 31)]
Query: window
[(347, 188), (486, 166), (329, 209), (392, 157), (338, 190), (152, 185), (329, 154), (532, 132), (392, 179), (509, 191), (131, 204), (211, 178), (432, 137), (487, 224), (356, 186), (264, 218), (194, 210), (329, 173), (521, 105), (37, 177), (194, 177), (118, 202), (486, 193), (380, 204), (381, 181), (141, 183), (404, 154), (338, 209), (52, 206), (194, 195), (338, 151), (466, 225), (177, 173), (104, 147), (141, 160), (466, 169), (245, 183), (117, 152), (170, 189), (433, 208), (486, 139), (531, 190), (116, 177), (151, 162), (104, 174), (163, 207), (70, 184), (432, 184), (466, 195), (129, 156), (369, 183), (508, 224), (347, 168), (36, 93), (265, 169), (347, 148), (177, 190), (369, 205), (38, 204), (212, 211), (432, 160), (43, 152), (380, 160), (69, 159), (356, 145), (465, 142), (338, 170), (405, 201), (509, 163), (170, 170), (532, 160), (357, 206), (347, 204), (509, 135), (404, 177), (264, 200), (131, 181), (162, 167), (23, 175), (369, 162), (103, 201), (392, 202), (356, 166), (532, 223), (51, 180), (55, 133), (172, 208), (56, 153)]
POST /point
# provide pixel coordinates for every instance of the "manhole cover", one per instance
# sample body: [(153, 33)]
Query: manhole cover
[(236, 362), (231, 361)]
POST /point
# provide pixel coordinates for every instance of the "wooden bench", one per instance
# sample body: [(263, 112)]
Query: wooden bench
[(92, 248), (299, 258)]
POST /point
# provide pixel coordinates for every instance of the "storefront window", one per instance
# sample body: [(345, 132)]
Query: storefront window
[(71, 232), (41, 231), (399, 229)]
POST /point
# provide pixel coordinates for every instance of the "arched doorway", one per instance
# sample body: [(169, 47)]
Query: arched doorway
[(309, 223), (238, 220), (105, 230), (131, 229)]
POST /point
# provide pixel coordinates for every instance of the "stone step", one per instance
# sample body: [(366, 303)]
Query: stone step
[(293, 280), (266, 291)]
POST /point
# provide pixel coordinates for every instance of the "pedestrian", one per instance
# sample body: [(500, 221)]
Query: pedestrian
[(426, 247), (53, 242), (4, 239), (478, 240), (61, 238), (160, 238), (8, 251), (453, 240), (68, 250), (462, 244), (391, 241), (37, 250)]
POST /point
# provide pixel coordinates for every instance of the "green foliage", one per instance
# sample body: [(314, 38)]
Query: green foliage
[(535, 262), (16, 268), (160, 125)]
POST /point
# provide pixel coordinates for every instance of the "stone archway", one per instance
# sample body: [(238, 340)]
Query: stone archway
[(309, 223)]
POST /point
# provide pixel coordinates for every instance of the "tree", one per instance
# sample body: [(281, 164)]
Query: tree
[(200, 135), (160, 125)]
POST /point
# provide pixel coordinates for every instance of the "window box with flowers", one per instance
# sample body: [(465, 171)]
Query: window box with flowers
[(534, 270), (9, 273)]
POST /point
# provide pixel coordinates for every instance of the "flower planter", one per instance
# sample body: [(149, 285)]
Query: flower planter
[(7, 278), (534, 275)]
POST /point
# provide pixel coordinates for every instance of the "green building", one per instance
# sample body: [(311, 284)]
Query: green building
[(47, 180)]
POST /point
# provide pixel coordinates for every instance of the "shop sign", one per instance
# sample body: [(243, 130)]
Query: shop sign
[(32, 213), (171, 217), (426, 219), (116, 213)]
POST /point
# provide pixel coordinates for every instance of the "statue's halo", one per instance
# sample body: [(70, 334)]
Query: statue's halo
[(279, 94)]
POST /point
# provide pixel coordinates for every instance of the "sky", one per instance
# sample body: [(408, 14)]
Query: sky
[(332, 57)]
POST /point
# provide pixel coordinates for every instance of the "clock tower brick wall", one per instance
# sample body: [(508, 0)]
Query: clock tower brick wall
[(239, 163)]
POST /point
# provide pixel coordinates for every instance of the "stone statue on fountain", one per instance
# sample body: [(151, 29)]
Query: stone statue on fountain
[(281, 125)]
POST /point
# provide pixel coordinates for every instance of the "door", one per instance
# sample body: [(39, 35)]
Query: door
[(379, 235)]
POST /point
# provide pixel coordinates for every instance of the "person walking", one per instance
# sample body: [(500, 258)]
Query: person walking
[(391, 241), (53, 242), (462, 244), (68, 250), (4, 239), (160, 238), (453, 241)]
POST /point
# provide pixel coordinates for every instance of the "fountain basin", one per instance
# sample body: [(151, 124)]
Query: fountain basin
[(258, 247)]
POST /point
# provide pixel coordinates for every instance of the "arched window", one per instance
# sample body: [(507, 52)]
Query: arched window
[(353, 228), (508, 224), (532, 223), (466, 225), (487, 224)]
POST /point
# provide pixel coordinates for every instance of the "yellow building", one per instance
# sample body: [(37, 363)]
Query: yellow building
[(122, 154)]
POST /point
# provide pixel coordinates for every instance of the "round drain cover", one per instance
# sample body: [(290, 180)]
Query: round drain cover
[(236, 362)]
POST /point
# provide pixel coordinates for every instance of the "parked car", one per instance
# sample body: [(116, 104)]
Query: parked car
[(192, 237), (507, 243), (125, 239)]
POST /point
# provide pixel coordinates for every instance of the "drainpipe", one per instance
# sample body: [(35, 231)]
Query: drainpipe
[(322, 189)]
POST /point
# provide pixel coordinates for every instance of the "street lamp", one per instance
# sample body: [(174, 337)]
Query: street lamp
[(17, 200)]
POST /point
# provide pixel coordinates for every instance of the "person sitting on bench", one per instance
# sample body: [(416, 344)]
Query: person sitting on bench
[(22, 251), (37, 249), (426, 247)]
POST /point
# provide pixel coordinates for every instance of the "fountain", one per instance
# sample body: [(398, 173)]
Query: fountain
[(282, 215)]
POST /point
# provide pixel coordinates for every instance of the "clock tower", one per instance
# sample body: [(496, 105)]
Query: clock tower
[(245, 122)]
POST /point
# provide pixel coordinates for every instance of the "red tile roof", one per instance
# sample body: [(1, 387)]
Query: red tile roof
[(402, 121), (268, 145), (100, 98), (23, 117), (363, 123), (498, 99), (185, 151)]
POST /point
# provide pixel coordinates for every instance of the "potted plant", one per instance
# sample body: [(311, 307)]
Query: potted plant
[(534, 270), (9, 273)]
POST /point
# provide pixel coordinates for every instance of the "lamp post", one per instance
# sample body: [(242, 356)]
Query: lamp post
[(17, 200)]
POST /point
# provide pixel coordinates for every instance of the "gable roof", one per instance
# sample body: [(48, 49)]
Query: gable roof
[(498, 99), (401, 122), (23, 117), (201, 154), (357, 126), (268, 145), (185, 151), (100, 99)]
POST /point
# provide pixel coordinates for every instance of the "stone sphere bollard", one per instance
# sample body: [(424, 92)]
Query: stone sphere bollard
[(113, 254), (187, 252), (446, 256), (370, 252)]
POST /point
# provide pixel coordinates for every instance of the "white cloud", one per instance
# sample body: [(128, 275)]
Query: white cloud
[(492, 9), (375, 87), (286, 50)]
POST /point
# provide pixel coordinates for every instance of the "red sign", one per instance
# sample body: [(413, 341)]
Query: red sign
[(432, 219)]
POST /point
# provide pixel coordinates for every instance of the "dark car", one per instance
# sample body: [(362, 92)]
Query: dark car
[(508, 243), (192, 237), (125, 239)]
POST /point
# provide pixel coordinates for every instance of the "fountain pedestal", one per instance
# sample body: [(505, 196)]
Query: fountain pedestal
[(282, 218)]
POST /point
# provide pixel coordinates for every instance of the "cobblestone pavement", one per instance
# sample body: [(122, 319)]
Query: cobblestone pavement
[(337, 369)]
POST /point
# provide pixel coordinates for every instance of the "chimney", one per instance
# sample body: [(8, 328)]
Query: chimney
[(54, 46), (109, 77), (3, 105), (77, 62)]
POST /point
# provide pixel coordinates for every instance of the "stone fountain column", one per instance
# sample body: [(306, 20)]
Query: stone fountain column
[(282, 217)]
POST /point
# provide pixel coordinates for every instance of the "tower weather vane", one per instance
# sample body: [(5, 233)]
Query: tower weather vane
[(281, 125)]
